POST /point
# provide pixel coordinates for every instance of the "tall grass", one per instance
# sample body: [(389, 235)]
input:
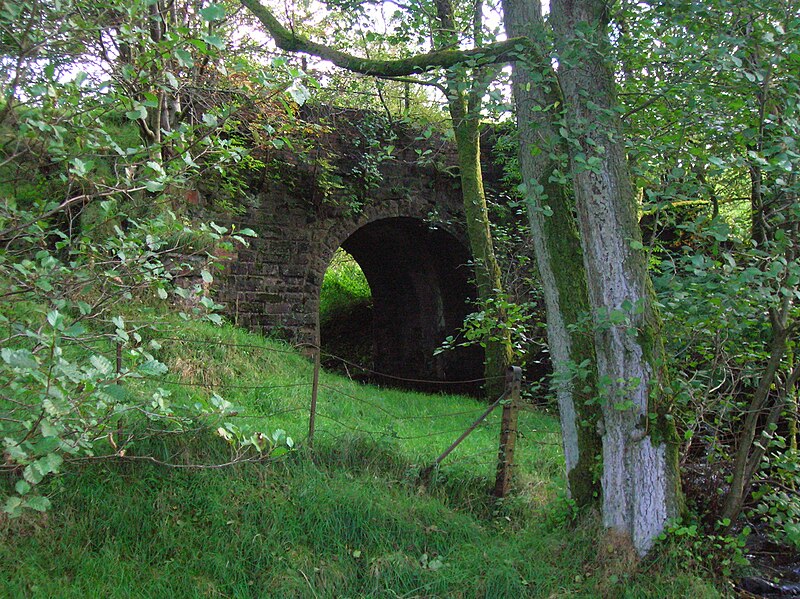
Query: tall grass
[(349, 520)]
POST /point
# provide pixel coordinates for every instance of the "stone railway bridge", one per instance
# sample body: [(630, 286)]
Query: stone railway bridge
[(397, 210)]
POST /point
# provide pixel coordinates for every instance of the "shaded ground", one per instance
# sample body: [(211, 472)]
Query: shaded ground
[(346, 336)]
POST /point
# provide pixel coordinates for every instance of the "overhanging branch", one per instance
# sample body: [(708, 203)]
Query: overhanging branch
[(499, 52)]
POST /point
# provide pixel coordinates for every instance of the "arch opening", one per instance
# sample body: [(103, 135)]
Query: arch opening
[(421, 290)]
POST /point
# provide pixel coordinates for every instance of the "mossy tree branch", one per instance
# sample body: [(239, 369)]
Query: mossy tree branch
[(289, 41)]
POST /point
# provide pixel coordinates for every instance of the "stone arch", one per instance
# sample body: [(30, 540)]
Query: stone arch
[(273, 286), (422, 287)]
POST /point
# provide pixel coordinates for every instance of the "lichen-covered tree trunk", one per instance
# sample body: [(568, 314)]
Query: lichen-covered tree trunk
[(487, 270), (464, 103), (558, 252), (641, 484)]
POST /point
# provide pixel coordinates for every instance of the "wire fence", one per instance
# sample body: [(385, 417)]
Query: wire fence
[(331, 409)]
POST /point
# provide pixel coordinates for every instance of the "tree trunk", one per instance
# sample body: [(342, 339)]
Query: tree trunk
[(558, 253), (464, 102), (768, 399), (487, 271), (641, 485)]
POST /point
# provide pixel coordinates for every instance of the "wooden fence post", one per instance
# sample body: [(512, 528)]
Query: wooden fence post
[(425, 474), (508, 432)]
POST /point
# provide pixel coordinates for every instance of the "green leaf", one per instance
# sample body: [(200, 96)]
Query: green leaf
[(152, 368), (184, 58), (19, 358), (150, 100), (154, 186), (49, 463), (213, 12), (46, 445), (214, 41), (48, 430), (139, 112), (79, 167), (299, 93), (40, 504), (102, 364), (210, 120), (13, 507), (13, 450), (32, 474), (54, 318), (435, 564), (117, 392), (172, 80), (75, 330), (207, 278), (22, 487)]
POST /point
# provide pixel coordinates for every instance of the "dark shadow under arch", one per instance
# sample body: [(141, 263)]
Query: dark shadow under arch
[(421, 291)]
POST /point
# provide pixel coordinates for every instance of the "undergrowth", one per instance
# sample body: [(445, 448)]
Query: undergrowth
[(349, 519)]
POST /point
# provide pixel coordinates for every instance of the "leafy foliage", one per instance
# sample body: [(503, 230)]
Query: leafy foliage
[(110, 116)]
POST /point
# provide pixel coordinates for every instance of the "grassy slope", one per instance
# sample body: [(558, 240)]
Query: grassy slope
[(352, 523)]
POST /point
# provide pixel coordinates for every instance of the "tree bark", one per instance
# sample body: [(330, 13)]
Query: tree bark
[(558, 252), (641, 484), (464, 103)]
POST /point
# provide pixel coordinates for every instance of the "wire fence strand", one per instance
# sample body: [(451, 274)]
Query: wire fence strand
[(328, 392), (410, 379), (395, 416), (223, 385)]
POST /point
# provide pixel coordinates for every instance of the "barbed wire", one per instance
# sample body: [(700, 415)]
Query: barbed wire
[(220, 385), (395, 416), (261, 459), (294, 348), (474, 454), (407, 379), (387, 434), (325, 392), (291, 350)]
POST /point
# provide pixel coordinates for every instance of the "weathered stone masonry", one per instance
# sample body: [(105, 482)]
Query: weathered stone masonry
[(408, 238)]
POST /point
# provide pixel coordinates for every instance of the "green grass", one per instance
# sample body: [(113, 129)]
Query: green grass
[(344, 286), (351, 522)]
